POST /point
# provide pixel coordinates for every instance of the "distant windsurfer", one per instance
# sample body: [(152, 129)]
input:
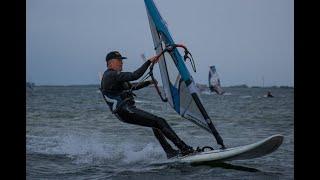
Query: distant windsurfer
[(214, 81), (117, 91), (269, 94)]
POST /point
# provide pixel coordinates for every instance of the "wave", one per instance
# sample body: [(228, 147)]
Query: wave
[(246, 96), (94, 149)]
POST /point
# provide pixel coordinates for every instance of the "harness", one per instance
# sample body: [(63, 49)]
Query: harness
[(116, 100)]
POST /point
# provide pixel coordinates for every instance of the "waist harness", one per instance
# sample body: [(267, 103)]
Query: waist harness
[(116, 100)]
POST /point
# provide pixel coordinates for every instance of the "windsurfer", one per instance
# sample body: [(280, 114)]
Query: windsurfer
[(117, 91), (269, 94)]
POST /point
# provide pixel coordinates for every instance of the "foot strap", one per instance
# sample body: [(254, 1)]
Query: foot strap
[(204, 148)]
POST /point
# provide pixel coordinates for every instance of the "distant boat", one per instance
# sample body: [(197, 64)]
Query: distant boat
[(214, 81)]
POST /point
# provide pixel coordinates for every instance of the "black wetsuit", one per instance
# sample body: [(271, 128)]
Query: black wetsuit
[(116, 87)]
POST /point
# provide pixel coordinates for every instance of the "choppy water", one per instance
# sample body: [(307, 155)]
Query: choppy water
[(71, 134)]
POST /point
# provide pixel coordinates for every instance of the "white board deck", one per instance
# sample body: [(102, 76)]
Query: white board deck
[(254, 150)]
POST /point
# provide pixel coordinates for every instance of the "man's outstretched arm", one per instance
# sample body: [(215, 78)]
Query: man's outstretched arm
[(131, 76)]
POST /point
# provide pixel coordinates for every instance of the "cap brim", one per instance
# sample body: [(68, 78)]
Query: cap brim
[(122, 58)]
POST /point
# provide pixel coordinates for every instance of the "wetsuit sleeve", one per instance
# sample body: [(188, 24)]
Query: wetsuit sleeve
[(131, 76), (141, 85)]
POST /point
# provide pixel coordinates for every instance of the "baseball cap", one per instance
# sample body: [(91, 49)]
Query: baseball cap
[(114, 55)]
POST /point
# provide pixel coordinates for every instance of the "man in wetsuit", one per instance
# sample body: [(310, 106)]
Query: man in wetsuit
[(117, 91)]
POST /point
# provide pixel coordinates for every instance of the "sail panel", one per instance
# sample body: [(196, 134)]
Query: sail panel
[(177, 82), (162, 65)]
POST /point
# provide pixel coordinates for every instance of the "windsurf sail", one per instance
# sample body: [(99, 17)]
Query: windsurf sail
[(214, 81), (179, 88)]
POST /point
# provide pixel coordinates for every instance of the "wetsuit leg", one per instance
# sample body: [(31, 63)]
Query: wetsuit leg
[(164, 143), (137, 116)]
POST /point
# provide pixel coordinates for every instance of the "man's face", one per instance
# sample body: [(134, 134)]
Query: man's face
[(115, 64)]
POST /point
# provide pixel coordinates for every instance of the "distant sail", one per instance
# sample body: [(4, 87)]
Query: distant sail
[(214, 81)]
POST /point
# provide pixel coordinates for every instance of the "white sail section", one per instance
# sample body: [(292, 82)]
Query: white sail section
[(189, 108), (162, 63)]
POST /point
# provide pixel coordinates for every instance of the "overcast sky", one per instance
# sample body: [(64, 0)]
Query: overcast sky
[(247, 40)]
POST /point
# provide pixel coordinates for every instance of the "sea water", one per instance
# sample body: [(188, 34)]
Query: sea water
[(71, 134)]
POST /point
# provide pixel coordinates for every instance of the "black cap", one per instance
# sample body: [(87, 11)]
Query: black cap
[(114, 55)]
